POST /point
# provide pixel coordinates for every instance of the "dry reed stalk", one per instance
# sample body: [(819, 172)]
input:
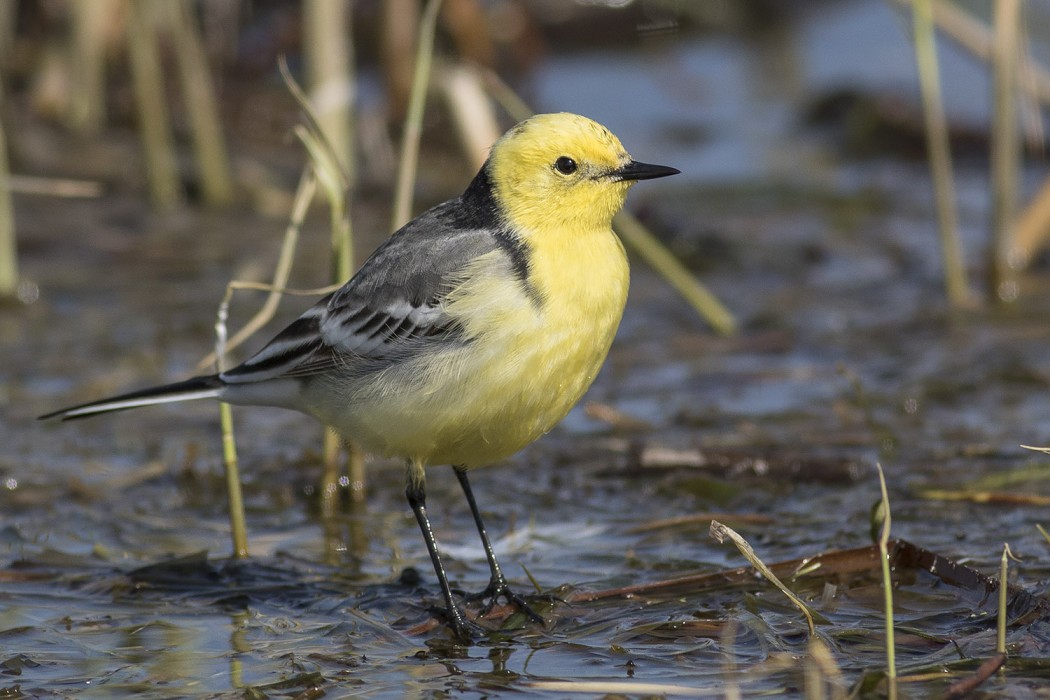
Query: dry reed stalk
[(150, 100), (413, 127), (8, 16), (329, 69), (55, 186), (472, 112), (8, 245), (970, 33), (939, 154), (87, 83), (1033, 227), (400, 22), (209, 145), (1003, 260)]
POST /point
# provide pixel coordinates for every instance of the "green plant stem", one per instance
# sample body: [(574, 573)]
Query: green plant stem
[(238, 527), (887, 586), (1000, 627)]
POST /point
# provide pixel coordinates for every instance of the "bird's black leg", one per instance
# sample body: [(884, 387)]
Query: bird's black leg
[(497, 583), (416, 494)]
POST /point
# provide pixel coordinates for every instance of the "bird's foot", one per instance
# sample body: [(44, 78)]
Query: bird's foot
[(463, 630), (497, 589)]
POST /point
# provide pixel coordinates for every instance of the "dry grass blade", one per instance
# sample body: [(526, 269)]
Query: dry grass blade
[(721, 532), (238, 526), (332, 174), (615, 418), (1044, 450), (1043, 532), (329, 166)]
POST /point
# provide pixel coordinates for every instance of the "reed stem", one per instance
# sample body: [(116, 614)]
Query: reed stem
[(1004, 261), (413, 128), (939, 154)]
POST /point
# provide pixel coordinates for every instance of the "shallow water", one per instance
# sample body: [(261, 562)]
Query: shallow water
[(848, 355)]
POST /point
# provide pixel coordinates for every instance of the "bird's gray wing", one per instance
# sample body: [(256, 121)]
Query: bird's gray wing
[(389, 310)]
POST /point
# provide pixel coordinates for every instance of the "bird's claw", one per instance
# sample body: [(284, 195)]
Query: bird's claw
[(497, 589)]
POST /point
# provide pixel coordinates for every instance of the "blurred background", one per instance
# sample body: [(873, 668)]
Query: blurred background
[(861, 221)]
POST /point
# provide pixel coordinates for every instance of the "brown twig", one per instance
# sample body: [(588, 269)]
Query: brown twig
[(961, 689)]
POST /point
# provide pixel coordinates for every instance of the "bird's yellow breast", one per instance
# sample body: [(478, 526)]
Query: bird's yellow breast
[(532, 364), (530, 357)]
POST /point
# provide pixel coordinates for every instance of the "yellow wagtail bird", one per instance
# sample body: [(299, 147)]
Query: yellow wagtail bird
[(470, 332)]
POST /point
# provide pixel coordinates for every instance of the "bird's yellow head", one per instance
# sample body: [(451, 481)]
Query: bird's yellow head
[(563, 172)]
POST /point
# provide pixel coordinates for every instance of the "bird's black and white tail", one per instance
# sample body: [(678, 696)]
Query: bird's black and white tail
[(197, 388)]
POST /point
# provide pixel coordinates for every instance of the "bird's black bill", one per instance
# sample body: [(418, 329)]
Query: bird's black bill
[(643, 171)]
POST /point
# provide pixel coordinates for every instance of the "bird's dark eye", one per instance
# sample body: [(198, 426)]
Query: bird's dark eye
[(565, 165)]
